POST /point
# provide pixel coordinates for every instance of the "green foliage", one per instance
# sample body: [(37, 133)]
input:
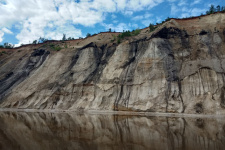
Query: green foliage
[(136, 32), (3, 52), (110, 30), (35, 42), (114, 38), (167, 19), (42, 40), (118, 40), (64, 37), (218, 8), (152, 27), (88, 35), (71, 38), (213, 9), (127, 34), (7, 45), (54, 47)]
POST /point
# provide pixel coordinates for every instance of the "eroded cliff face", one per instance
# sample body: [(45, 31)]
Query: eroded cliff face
[(177, 68)]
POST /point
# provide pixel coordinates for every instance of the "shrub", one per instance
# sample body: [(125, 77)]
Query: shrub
[(136, 32), (55, 48), (88, 35), (152, 27)]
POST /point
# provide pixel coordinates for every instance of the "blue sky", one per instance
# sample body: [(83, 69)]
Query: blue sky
[(23, 21)]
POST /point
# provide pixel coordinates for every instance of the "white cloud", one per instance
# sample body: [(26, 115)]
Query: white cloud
[(196, 2), (141, 17), (197, 11), (128, 13), (158, 19), (52, 18), (191, 12), (147, 15), (174, 9), (172, 1), (2, 33), (138, 18), (7, 31), (113, 16), (147, 22), (120, 27), (115, 21), (1, 36), (182, 3)]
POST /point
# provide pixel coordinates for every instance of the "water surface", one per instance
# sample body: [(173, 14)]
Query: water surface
[(62, 131)]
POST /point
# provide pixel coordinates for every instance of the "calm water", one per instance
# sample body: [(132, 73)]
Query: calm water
[(62, 131)]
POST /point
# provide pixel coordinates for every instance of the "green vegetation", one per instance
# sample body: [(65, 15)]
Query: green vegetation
[(136, 32), (3, 52), (7, 45), (42, 40), (213, 9), (88, 35), (152, 27), (64, 37), (127, 34), (55, 47), (71, 38)]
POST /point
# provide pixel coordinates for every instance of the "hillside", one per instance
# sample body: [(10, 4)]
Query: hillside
[(178, 68)]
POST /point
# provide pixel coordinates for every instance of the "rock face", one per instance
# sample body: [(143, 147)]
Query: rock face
[(177, 68)]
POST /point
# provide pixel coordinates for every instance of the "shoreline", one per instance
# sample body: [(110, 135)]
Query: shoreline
[(111, 112)]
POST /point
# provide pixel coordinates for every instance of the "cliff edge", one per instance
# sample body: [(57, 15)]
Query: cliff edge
[(179, 67)]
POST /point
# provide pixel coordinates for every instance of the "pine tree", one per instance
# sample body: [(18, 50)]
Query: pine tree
[(64, 37)]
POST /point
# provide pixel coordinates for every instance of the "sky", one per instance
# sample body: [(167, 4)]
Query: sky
[(23, 21)]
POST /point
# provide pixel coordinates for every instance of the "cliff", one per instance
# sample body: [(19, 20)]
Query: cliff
[(179, 68)]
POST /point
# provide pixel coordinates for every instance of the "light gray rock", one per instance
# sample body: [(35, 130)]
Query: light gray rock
[(177, 68)]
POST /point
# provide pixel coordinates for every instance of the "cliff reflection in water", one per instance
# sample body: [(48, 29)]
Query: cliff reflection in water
[(54, 131)]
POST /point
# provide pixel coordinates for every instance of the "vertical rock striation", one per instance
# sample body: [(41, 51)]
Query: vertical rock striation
[(177, 68)]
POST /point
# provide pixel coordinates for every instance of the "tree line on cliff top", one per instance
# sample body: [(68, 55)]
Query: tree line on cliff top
[(152, 27)]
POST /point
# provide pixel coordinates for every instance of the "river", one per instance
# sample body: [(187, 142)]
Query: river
[(81, 131)]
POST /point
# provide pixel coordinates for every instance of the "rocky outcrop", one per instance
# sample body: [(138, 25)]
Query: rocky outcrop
[(177, 68)]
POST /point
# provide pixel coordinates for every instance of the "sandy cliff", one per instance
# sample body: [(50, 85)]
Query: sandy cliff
[(179, 67)]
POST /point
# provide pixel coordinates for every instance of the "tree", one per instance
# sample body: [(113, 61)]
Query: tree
[(151, 27), (42, 40), (212, 9), (8, 45), (64, 37), (35, 42), (168, 19), (218, 8), (223, 9), (110, 30), (88, 34)]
